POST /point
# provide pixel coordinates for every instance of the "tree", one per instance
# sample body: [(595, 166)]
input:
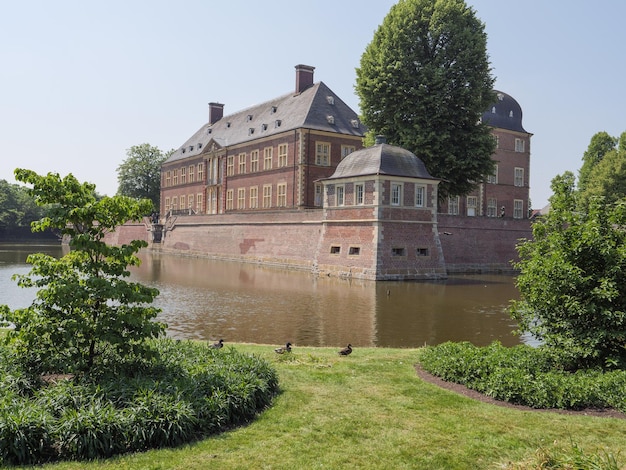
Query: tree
[(424, 82), (17, 207), (572, 279), (600, 144), (85, 312), (607, 177), (139, 176)]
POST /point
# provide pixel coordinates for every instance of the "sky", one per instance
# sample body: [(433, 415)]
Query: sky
[(81, 82)]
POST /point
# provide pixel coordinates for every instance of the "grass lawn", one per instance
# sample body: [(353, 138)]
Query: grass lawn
[(370, 410)]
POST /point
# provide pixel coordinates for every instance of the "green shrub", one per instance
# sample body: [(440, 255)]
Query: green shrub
[(187, 392), (524, 375)]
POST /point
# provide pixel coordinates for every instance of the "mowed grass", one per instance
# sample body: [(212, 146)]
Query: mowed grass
[(370, 410)]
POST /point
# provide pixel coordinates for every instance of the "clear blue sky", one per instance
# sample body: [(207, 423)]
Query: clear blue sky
[(83, 81)]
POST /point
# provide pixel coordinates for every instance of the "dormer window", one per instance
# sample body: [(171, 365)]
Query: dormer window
[(228, 124), (251, 131), (249, 117), (500, 96), (199, 146), (330, 119), (273, 109), (493, 110), (510, 114), (263, 127), (191, 148), (331, 100), (183, 150), (209, 130), (355, 123), (277, 123)]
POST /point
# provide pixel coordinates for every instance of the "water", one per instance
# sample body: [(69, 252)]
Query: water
[(207, 300)]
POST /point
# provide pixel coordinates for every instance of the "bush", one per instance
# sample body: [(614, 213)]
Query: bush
[(524, 375), (191, 391)]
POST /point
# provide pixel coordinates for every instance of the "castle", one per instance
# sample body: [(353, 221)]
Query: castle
[(288, 183)]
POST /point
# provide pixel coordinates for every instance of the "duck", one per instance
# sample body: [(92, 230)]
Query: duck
[(345, 351), (218, 344), (286, 348)]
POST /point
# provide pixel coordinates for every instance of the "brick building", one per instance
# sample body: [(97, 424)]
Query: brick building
[(263, 185)]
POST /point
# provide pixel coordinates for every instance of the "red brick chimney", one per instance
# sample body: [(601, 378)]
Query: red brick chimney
[(216, 112), (304, 77)]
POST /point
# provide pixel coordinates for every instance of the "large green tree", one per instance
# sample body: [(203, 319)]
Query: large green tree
[(139, 176), (424, 82), (17, 207), (607, 177), (572, 279), (600, 144), (85, 313)]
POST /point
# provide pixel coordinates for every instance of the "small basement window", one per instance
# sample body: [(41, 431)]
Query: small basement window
[(354, 250), (335, 250), (398, 252), (421, 251)]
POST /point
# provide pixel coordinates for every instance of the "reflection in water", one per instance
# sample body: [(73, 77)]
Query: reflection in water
[(207, 299)]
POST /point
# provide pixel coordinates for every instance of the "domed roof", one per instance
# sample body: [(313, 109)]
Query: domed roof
[(381, 159), (505, 113)]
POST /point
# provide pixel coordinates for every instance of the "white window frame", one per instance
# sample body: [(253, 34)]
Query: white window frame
[(492, 207), (322, 153), (340, 195), (267, 196), (518, 209), (230, 165), (268, 153), (254, 197), (241, 198), (472, 206), (519, 177), (230, 194), (520, 145), (282, 155), (493, 178), (453, 205), (359, 194), (420, 195), (281, 194), (254, 161), (395, 198)]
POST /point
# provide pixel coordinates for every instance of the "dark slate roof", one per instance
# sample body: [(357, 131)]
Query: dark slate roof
[(309, 109), (381, 159), (505, 113)]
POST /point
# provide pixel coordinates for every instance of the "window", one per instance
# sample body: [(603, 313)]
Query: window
[(322, 153), (229, 199), (254, 161), (419, 195), (282, 155), (267, 158), (183, 175), (354, 251), (493, 178), (200, 172), (472, 203), (519, 177), (318, 194), (453, 205), (241, 198), (168, 179), (398, 252), (242, 163), (254, 197), (192, 173), (396, 194), (190, 200), (497, 139), (175, 178), (492, 207), (347, 150), (182, 202), (167, 204), (230, 166), (518, 209), (519, 145), (281, 195), (199, 201), (339, 192), (174, 203), (358, 194), (267, 196), (335, 250), (421, 252)]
